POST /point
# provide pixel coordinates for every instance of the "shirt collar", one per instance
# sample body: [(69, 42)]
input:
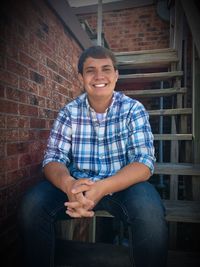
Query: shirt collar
[(110, 107)]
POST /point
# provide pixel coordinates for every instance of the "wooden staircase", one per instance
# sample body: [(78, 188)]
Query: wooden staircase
[(139, 67), (156, 75)]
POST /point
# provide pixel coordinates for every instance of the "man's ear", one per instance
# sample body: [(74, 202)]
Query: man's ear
[(117, 74)]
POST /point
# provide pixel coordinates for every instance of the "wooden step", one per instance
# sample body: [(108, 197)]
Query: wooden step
[(149, 77), (177, 169), (173, 137), (170, 112), (155, 92), (182, 211), (146, 59), (176, 211)]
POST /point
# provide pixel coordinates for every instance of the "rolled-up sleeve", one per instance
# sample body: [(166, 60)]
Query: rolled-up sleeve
[(59, 142), (140, 143)]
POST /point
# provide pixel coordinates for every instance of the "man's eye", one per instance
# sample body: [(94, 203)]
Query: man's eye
[(107, 70), (89, 71)]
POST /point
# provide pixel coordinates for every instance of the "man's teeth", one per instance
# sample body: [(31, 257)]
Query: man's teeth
[(100, 85)]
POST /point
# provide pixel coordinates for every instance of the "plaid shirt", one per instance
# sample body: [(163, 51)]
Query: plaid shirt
[(98, 149)]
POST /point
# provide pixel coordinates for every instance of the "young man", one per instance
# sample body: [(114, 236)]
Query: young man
[(99, 155)]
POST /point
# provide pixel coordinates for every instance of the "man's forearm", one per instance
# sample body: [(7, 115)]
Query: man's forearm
[(131, 174), (58, 174)]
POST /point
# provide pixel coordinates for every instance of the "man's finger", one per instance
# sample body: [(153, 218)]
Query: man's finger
[(83, 200), (79, 213), (80, 188)]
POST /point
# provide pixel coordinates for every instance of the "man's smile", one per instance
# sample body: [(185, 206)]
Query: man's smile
[(100, 85)]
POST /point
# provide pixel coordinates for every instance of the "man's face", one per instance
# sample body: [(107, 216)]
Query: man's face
[(99, 77)]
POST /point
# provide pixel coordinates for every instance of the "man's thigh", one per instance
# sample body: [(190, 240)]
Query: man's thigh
[(140, 201)]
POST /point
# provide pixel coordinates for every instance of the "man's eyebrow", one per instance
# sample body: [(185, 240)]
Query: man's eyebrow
[(104, 66)]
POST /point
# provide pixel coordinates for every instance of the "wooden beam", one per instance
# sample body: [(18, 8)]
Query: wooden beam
[(177, 168), (173, 137), (170, 112), (65, 13), (155, 92), (193, 17), (182, 211), (112, 6), (142, 77)]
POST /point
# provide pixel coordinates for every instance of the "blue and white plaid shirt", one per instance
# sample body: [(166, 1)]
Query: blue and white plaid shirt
[(98, 149)]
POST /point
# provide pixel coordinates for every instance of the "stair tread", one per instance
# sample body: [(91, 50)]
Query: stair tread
[(182, 210), (173, 136), (176, 111), (150, 51), (150, 58), (156, 76), (177, 168), (155, 92), (176, 210)]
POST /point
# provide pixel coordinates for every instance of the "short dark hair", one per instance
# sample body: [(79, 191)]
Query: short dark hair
[(97, 51)]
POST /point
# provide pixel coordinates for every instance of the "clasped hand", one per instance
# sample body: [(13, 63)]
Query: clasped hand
[(83, 196)]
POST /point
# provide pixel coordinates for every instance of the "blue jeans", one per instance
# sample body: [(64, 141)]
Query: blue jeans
[(139, 207)]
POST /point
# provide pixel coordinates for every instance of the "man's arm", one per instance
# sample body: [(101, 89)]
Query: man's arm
[(129, 175), (58, 174)]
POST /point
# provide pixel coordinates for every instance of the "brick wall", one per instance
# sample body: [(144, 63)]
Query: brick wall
[(132, 29), (37, 76)]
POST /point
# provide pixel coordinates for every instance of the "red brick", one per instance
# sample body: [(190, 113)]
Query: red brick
[(17, 68), (24, 160), (11, 135), (10, 163), (16, 148), (44, 91), (2, 121), (28, 61), (29, 86), (37, 123), (46, 113), (13, 176), (24, 135), (8, 78), (17, 122), (12, 121), (28, 110), (2, 150), (47, 51), (44, 134), (44, 71), (51, 64), (8, 106), (12, 94)]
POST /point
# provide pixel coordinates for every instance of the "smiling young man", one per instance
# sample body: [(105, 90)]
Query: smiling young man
[(99, 155)]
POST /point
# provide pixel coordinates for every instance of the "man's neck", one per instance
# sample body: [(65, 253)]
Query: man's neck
[(100, 105)]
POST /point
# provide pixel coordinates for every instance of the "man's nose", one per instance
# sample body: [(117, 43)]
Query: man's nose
[(99, 74)]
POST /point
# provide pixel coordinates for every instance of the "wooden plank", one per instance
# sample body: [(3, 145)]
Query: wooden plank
[(64, 12), (155, 92), (144, 59), (117, 5), (174, 137), (177, 168), (182, 211), (196, 122), (147, 77), (147, 51), (170, 112), (192, 13)]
